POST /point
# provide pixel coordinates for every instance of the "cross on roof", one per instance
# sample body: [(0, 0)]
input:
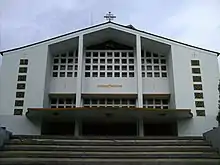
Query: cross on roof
[(109, 16)]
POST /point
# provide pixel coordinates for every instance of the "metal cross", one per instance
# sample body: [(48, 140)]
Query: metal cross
[(109, 16)]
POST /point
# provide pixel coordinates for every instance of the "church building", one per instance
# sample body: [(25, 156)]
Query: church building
[(109, 80)]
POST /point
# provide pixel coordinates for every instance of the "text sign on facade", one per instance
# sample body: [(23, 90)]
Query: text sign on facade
[(109, 86)]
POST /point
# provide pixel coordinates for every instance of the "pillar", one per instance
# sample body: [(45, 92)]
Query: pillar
[(79, 72), (139, 72), (77, 128), (140, 128)]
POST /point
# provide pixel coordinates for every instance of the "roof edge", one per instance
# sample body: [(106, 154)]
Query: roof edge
[(35, 43)]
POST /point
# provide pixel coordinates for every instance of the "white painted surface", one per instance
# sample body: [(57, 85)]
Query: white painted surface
[(63, 85), (155, 86)]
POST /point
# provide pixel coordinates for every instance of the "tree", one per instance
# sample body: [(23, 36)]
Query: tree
[(218, 116)]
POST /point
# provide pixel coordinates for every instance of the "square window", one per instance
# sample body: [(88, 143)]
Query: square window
[(61, 101), (63, 61), (124, 61), (116, 54), (156, 74), (94, 101), (63, 55), (132, 102), (70, 61), (197, 86), (143, 74), (62, 67), (95, 61), (62, 74), (142, 61), (156, 67), (21, 77), (131, 54), (60, 106), (164, 74), (155, 55), (163, 61), (200, 112), (109, 67), (165, 101), (102, 61), (87, 74), (94, 67), (102, 74), (156, 61), (69, 101), (109, 61), (19, 94), (197, 79), (69, 74), (19, 103), (117, 74), (102, 67), (131, 74), (196, 70), (163, 67), (20, 86), (124, 67), (55, 61), (55, 74), (199, 103), (117, 67), (142, 53), (143, 67), (23, 61), (124, 101), (18, 111), (94, 74), (149, 67), (70, 67), (109, 54), (109, 74), (198, 95), (86, 101), (117, 61), (55, 67), (102, 101), (131, 61), (95, 54), (109, 101), (70, 53), (131, 68), (88, 61), (87, 67), (157, 101), (88, 54), (22, 70), (116, 101), (195, 62), (148, 54), (124, 54), (76, 60), (150, 101), (76, 67), (75, 74), (124, 74), (148, 61), (53, 101), (149, 74), (102, 54)]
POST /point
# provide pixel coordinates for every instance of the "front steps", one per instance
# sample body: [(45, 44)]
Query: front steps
[(45, 150)]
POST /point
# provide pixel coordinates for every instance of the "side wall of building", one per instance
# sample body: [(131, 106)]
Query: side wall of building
[(184, 91), (35, 85)]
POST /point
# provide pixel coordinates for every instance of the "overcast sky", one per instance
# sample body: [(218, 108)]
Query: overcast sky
[(194, 22)]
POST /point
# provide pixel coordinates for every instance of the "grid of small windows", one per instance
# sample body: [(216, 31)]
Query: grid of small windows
[(109, 102), (197, 85), (156, 103), (109, 64), (153, 64), (63, 102), (21, 86), (65, 64)]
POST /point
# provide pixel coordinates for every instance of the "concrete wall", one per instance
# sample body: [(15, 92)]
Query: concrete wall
[(156, 86), (63, 85), (184, 92), (20, 125), (213, 137)]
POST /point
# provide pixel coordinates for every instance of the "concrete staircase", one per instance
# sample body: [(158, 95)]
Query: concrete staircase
[(52, 150)]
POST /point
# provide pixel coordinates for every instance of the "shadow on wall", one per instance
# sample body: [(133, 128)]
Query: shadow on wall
[(213, 136)]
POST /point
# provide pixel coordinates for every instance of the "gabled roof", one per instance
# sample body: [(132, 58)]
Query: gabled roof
[(128, 26)]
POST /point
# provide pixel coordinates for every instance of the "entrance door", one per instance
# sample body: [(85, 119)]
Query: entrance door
[(57, 128), (109, 129), (160, 129)]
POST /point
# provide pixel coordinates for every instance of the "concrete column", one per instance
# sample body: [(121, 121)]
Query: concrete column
[(77, 127), (139, 72), (141, 128), (79, 72)]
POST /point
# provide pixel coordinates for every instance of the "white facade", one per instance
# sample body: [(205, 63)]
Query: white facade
[(163, 79)]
